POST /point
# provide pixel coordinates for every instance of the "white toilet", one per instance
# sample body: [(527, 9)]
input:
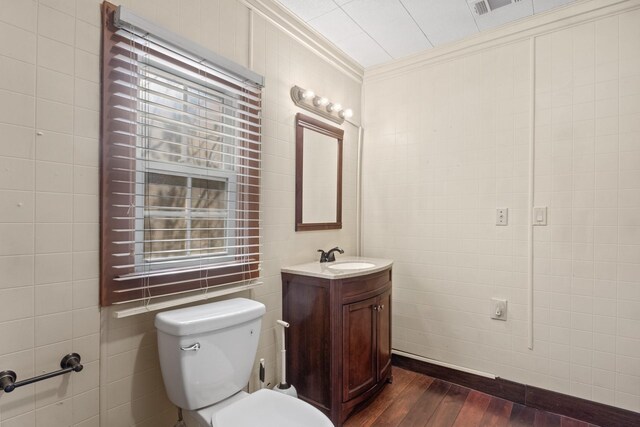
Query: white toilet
[(206, 357)]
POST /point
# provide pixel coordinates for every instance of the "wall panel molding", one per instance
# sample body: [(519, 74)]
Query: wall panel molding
[(311, 39)]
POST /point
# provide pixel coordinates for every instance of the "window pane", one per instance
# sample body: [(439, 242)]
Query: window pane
[(208, 194), (206, 151), (172, 110), (165, 192), (165, 216), (212, 232), (165, 237)]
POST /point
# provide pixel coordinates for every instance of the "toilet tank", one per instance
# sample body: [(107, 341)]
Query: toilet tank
[(207, 351)]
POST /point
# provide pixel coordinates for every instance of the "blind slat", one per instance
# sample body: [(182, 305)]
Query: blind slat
[(197, 295), (129, 80), (241, 110), (140, 123), (149, 55), (171, 272)]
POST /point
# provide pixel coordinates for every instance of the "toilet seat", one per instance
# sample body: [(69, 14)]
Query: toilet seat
[(269, 408)]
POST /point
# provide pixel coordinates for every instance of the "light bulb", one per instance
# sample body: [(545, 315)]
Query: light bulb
[(346, 113), (320, 101), (334, 107), (307, 94)]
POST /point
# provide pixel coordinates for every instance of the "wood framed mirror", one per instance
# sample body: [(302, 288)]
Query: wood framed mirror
[(318, 175)]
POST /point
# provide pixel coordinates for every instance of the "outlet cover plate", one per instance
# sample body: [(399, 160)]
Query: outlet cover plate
[(502, 216)]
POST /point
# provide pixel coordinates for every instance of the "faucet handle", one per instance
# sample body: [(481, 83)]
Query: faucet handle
[(323, 255)]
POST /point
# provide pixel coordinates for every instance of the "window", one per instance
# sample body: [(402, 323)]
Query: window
[(180, 168)]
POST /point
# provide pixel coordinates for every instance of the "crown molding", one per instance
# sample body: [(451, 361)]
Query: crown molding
[(278, 15), (566, 16)]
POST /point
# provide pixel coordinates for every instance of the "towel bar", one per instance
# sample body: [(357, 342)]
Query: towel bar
[(69, 363)]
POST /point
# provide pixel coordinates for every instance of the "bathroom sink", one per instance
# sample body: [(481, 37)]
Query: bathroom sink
[(351, 265), (348, 266)]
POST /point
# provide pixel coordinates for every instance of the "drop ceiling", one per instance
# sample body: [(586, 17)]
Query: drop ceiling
[(376, 31)]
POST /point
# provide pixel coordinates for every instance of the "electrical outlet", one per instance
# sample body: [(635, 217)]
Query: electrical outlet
[(502, 216), (498, 309)]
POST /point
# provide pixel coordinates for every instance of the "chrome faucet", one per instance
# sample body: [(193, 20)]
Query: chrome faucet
[(329, 256)]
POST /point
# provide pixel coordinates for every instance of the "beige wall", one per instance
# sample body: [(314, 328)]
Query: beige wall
[(447, 142), (49, 202)]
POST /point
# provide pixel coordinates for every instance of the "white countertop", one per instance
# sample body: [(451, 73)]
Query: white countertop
[(322, 270)]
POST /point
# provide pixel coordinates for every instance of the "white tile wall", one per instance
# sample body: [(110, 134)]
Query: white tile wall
[(49, 203), (447, 143)]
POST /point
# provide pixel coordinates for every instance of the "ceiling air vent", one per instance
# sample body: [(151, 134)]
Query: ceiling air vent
[(483, 7)]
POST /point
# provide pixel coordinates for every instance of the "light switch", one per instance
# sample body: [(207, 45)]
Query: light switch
[(498, 309), (540, 215)]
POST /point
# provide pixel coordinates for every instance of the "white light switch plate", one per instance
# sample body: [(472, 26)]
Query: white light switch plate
[(540, 215), (498, 309), (502, 216)]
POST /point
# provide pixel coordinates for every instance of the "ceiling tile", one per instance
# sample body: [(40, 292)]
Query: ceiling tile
[(364, 49), (309, 9), (376, 31), (505, 14), (544, 5), (388, 22), (442, 21), (335, 25)]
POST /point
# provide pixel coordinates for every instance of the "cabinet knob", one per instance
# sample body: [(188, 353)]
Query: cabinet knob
[(375, 307), (381, 307)]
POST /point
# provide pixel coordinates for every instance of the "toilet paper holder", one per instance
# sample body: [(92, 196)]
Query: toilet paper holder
[(69, 363)]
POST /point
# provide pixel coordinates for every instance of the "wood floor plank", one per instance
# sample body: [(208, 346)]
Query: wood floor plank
[(448, 410), (475, 405), (394, 413), (414, 399), (498, 413), (546, 419), (367, 417), (522, 416), (426, 405)]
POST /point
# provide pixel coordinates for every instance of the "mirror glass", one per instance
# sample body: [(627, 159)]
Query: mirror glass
[(318, 174), (320, 182)]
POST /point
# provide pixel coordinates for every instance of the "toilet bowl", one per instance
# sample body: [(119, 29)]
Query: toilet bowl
[(207, 354)]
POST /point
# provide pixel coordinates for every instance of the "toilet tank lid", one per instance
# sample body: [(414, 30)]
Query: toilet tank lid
[(208, 317)]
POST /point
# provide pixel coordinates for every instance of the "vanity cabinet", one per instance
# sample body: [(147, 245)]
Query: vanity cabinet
[(339, 341)]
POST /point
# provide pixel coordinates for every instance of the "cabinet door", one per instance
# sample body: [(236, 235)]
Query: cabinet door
[(359, 347), (384, 334)]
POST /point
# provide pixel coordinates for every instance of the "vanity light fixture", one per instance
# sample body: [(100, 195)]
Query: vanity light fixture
[(334, 108), (308, 94), (320, 101), (309, 100), (347, 113)]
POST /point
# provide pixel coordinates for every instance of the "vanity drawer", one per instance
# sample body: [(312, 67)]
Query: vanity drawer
[(364, 285)]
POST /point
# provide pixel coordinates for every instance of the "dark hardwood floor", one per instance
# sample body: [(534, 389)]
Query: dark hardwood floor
[(418, 400)]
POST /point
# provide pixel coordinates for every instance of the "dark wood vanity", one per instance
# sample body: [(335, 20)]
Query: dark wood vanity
[(339, 341)]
